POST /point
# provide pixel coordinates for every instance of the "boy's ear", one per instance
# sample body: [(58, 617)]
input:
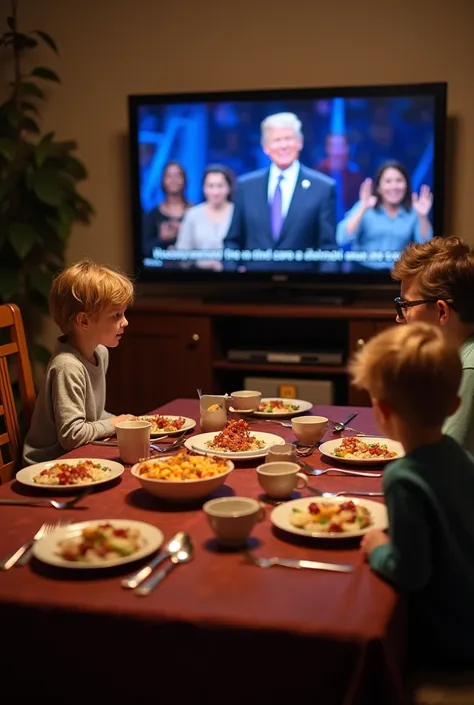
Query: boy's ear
[(444, 312), (82, 320)]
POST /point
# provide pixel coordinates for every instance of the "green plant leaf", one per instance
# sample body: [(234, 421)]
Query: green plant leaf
[(30, 125), (46, 74), (10, 22), (31, 89), (39, 353), (75, 168), (7, 148), (42, 150), (9, 283), (41, 282), (47, 185), (62, 223), (26, 105), (22, 238), (23, 41), (47, 39)]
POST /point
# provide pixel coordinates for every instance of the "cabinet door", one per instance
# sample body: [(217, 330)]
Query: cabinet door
[(359, 333), (160, 358)]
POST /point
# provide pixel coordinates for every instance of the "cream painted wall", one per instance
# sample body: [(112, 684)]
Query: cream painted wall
[(110, 48)]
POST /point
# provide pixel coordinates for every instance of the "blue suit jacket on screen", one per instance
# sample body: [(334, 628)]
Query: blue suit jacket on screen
[(309, 223)]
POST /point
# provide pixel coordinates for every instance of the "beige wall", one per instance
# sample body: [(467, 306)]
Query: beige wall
[(110, 48)]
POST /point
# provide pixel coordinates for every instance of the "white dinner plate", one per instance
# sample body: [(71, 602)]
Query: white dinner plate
[(26, 475), (280, 516), (198, 444), (187, 426), (47, 548), (328, 448), (302, 407)]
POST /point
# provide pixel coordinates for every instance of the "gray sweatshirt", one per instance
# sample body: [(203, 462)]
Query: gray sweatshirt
[(70, 409)]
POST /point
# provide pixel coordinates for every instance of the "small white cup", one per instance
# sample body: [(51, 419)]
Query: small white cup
[(233, 518), (309, 429), (133, 440), (246, 400), (285, 453), (278, 480)]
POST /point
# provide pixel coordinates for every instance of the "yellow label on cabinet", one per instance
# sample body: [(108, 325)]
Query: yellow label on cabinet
[(288, 391)]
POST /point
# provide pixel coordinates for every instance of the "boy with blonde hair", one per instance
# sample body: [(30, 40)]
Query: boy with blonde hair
[(412, 375), (437, 286), (88, 303)]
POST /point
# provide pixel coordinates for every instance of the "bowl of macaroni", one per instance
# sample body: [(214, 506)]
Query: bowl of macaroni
[(183, 477)]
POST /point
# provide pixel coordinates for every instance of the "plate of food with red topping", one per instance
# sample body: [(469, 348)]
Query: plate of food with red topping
[(275, 407), (166, 425), (67, 473), (235, 441), (330, 518), (103, 543), (362, 451)]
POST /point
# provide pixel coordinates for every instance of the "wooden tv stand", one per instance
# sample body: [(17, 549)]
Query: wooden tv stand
[(174, 346)]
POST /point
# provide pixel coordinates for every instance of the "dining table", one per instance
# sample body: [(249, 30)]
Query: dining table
[(218, 630)]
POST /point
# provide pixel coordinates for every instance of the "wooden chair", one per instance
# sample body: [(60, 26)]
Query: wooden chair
[(13, 350)]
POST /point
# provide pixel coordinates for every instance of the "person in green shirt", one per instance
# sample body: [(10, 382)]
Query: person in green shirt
[(437, 286), (412, 374)]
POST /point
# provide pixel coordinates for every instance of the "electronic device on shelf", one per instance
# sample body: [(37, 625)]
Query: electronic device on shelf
[(287, 357), (347, 134)]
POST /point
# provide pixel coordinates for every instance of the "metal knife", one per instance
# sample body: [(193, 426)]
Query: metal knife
[(314, 565), (135, 579)]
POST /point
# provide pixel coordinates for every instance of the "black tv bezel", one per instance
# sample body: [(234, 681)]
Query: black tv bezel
[(438, 90)]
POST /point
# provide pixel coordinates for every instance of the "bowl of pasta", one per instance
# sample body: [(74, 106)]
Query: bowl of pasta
[(183, 477)]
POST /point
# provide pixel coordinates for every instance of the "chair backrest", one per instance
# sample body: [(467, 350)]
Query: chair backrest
[(13, 350)]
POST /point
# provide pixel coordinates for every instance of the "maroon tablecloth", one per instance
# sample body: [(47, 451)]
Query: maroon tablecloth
[(221, 630)]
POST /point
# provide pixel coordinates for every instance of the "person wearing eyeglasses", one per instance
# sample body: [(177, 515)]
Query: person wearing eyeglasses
[(437, 286)]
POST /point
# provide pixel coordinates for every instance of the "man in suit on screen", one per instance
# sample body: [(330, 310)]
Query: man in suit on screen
[(286, 207)]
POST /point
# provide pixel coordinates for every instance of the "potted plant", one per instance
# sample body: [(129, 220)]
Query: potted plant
[(39, 174)]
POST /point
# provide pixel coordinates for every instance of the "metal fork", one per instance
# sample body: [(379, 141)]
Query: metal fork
[(10, 561), (29, 552), (286, 424), (65, 504), (298, 564)]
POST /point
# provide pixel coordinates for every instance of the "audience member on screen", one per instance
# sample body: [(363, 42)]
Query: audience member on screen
[(161, 225), (387, 216), (437, 286), (204, 226), (412, 375), (88, 303), (337, 164), (284, 207)]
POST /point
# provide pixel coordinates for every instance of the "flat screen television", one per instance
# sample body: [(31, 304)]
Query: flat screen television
[(320, 186)]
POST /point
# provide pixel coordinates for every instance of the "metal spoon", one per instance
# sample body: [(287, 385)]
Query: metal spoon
[(172, 547), (184, 555), (340, 425)]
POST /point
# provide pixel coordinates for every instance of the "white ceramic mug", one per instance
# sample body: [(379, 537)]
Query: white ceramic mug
[(233, 518), (284, 453), (133, 440), (279, 479), (245, 400), (309, 429)]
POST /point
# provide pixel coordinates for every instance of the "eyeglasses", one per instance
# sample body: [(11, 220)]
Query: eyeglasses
[(401, 304)]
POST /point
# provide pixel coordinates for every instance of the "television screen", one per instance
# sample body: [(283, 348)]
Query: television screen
[(327, 182)]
